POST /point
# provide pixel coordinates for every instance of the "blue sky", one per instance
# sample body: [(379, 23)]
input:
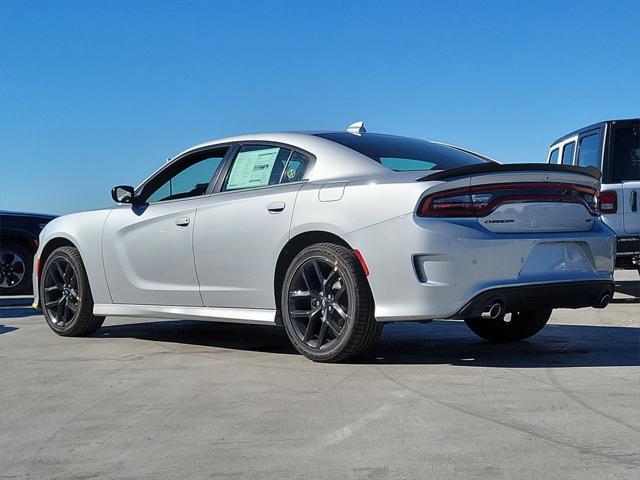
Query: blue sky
[(94, 94)]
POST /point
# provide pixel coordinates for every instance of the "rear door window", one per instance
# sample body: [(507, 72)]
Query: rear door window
[(589, 151), (257, 166), (567, 153)]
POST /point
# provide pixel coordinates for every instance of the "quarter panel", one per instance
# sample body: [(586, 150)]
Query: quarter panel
[(362, 202)]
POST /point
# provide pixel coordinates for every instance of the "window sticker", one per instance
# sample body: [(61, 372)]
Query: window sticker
[(252, 168)]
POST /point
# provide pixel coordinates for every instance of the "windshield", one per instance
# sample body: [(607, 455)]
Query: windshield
[(403, 153)]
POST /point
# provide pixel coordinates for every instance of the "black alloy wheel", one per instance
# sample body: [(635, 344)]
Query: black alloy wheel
[(65, 295), (61, 298), (319, 304), (327, 306)]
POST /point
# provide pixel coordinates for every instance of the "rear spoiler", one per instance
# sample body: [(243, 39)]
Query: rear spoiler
[(480, 168)]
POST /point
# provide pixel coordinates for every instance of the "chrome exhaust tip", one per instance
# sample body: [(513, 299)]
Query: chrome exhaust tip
[(492, 311)]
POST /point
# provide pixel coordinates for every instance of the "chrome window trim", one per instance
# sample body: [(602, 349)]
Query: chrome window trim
[(215, 186)]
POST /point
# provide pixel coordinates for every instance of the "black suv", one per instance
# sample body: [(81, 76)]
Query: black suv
[(18, 242)]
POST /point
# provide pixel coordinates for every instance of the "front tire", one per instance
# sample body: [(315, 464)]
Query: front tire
[(327, 307), (65, 295), (520, 326)]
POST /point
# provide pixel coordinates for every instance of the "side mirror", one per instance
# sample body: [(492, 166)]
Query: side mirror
[(122, 194)]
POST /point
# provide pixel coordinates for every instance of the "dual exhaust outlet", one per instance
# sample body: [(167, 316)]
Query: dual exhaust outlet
[(495, 309)]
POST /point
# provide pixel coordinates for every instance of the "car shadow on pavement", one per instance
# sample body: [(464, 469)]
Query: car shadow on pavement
[(6, 329), (440, 342), (631, 288), (209, 334), (452, 343)]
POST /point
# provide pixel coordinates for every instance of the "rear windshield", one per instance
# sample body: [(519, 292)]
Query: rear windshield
[(404, 153), (626, 153)]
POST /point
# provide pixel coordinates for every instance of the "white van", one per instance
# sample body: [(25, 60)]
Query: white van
[(613, 146)]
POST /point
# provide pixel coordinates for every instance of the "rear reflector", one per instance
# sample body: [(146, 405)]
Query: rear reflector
[(481, 200), (37, 268), (608, 202), (362, 262)]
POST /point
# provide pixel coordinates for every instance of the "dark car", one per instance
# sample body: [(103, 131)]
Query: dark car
[(18, 242)]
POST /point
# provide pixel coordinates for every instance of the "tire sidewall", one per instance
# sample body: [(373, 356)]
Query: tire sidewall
[(79, 270), (348, 277)]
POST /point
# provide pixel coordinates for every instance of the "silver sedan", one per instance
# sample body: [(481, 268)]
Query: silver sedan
[(332, 234)]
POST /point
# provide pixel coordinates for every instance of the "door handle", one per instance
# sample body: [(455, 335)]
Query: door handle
[(276, 207), (634, 201), (182, 221)]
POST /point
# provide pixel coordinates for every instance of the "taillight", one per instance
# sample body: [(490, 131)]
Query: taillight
[(452, 203), (608, 202), (480, 201)]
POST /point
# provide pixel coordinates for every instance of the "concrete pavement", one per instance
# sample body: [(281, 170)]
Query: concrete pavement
[(185, 399)]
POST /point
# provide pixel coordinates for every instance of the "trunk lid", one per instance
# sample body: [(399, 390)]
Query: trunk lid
[(522, 198)]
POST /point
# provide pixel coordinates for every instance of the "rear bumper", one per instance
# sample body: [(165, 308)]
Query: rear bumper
[(423, 268), (538, 297)]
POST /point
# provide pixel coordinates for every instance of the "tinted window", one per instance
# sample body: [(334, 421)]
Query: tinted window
[(188, 177), (296, 167), (626, 154), (257, 166), (404, 153), (589, 151), (553, 158), (567, 153)]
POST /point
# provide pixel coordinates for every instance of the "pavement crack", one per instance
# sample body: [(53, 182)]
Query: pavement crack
[(573, 396), (518, 426)]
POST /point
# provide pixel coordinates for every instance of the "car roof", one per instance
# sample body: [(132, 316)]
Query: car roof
[(337, 160), (592, 127)]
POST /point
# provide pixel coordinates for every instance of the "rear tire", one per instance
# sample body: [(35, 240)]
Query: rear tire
[(327, 307), (16, 267), (65, 295), (521, 325)]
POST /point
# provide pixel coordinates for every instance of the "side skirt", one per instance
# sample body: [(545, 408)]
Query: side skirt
[(230, 315)]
